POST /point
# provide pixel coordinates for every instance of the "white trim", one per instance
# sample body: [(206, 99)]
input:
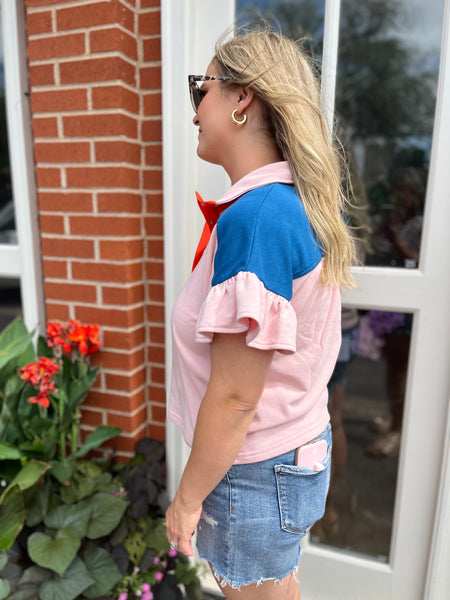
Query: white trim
[(21, 161), (10, 260), (330, 59)]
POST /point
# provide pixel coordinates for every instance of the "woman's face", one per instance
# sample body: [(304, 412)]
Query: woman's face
[(214, 119)]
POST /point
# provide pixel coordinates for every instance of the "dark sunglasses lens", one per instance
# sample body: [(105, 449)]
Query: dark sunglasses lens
[(196, 95)]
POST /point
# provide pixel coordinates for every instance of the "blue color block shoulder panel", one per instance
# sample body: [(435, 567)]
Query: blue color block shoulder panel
[(266, 232)]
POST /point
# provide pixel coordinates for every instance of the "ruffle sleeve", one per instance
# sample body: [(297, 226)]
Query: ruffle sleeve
[(242, 303)]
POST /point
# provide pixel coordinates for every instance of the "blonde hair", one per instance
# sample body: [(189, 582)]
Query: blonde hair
[(281, 76)]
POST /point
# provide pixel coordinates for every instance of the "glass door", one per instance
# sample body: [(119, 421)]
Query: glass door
[(385, 67)]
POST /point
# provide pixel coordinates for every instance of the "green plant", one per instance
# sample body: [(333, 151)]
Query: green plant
[(73, 527)]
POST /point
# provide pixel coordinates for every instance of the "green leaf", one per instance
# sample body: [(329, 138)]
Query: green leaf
[(75, 580), (9, 452), (156, 537), (57, 553), (36, 504), (3, 559), (103, 571), (75, 516), (14, 340), (12, 516), (30, 582), (102, 434), (62, 470), (106, 512), (30, 473), (135, 546), (5, 588)]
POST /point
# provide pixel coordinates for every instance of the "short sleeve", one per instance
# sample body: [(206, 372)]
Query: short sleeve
[(243, 304)]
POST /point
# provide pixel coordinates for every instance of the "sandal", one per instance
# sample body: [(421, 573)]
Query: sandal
[(386, 446), (381, 424)]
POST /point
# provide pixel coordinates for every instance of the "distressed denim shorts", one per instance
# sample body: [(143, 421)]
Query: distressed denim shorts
[(253, 521)]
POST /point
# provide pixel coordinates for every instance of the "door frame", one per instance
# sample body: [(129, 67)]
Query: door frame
[(189, 30)]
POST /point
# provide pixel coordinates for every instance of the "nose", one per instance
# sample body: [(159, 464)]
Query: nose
[(195, 120)]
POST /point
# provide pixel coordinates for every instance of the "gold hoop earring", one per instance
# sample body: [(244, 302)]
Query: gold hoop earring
[(235, 121)]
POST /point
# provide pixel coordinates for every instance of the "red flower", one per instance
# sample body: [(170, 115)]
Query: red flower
[(41, 376), (57, 336), (85, 337)]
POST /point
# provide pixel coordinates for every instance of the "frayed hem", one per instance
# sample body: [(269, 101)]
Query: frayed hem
[(224, 582)]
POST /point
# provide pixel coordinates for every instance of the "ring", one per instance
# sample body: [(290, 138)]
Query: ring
[(173, 545)]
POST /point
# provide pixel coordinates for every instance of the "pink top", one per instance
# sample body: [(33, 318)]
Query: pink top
[(291, 312)]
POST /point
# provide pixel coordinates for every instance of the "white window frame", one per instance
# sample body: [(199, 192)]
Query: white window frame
[(189, 30), (21, 260)]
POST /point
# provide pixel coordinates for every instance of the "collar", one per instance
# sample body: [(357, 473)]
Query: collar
[(278, 172)]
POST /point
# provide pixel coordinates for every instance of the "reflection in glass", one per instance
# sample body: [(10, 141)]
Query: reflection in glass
[(7, 224), (367, 393), (10, 301), (385, 100)]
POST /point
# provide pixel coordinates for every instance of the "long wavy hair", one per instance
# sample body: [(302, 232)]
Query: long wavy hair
[(283, 78)]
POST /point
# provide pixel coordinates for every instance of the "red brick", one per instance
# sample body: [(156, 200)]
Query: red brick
[(124, 339), (157, 394), (154, 269), (99, 125), (56, 311), (148, 3), (85, 177), (120, 360), (158, 374), (157, 335), (155, 313), (121, 443), (104, 271), (156, 292), (118, 152), (57, 46), (48, 177), (45, 127), (121, 250), (51, 223), (155, 248), (128, 383), (115, 96), (40, 22), (153, 179), (31, 3), (128, 423), (153, 155), (114, 401), (157, 355), (110, 316), (154, 203), (62, 152), (157, 432), (58, 101), (123, 296), (150, 78), (150, 23), (54, 269), (41, 75), (70, 292), (94, 14), (151, 130), (154, 226), (107, 226), (158, 413), (113, 40), (65, 202), (152, 104), (67, 247), (91, 417), (97, 69), (119, 202), (152, 49)]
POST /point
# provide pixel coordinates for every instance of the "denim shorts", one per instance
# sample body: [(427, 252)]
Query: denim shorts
[(252, 522)]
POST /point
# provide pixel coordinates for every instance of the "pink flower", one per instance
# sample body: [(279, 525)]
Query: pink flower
[(159, 576), (172, 553), (123, 596), (145, 587), (147, 596), (156, 561)]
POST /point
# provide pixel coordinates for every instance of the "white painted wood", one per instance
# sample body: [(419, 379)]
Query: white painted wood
[(22, 164), (9, 260), (330, 59)]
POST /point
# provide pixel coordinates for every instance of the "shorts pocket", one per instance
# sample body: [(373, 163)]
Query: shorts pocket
[(302, 493)]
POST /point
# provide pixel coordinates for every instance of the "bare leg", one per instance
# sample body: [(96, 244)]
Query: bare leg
[(287, 589)]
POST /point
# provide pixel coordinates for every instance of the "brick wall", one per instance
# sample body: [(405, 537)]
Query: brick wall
[(95, 85)]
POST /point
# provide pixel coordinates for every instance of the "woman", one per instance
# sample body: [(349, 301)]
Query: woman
[(256, 329)]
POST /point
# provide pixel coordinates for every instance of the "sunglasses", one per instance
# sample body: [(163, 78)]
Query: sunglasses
[(195, 92)]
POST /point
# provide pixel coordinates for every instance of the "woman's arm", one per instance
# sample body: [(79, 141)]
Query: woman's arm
[(238, 375)]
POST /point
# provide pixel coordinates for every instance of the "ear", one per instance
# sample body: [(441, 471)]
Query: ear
[(245, 99)]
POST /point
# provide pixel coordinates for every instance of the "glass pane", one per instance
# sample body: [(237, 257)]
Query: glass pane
[(298, 19), (8, 233), (10, 301), (367, 392), (385, 101)]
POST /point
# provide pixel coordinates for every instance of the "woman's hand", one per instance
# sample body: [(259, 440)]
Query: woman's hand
[(181, 523)]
